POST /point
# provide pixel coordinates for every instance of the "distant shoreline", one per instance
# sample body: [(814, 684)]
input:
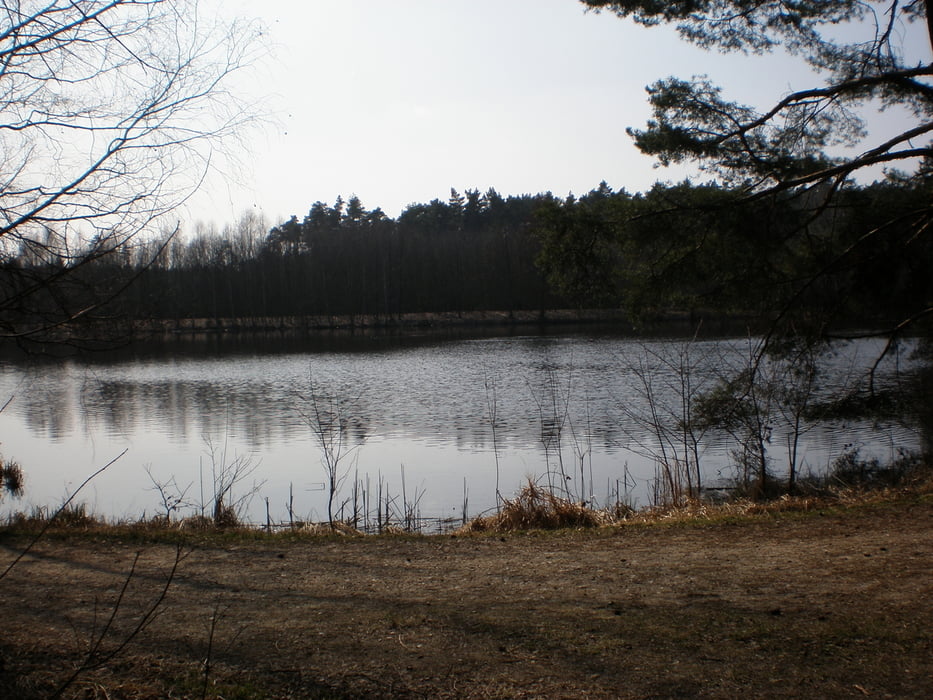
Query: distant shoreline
[(312, 323), (102, 334)]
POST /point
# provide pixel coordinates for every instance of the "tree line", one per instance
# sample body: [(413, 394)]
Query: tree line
[(474, 252), (783, 234), (701, 248), (789, 260)]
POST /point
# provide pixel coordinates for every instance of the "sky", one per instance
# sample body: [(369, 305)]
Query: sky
[(398, 101)]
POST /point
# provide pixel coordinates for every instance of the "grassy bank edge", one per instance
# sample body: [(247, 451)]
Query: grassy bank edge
[(692, 514)]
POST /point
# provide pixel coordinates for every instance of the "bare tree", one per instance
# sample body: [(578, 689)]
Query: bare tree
[(229, 471), (668, 379), (759, 397), (111, 114), (330, 418)]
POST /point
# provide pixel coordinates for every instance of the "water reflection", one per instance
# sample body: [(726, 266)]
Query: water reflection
[(568, 405), (48, 406)]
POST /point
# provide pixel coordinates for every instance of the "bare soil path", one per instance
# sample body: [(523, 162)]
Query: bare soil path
[(837, 605)]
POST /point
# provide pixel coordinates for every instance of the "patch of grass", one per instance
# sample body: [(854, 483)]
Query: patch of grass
[(537, 508), (73, 516)]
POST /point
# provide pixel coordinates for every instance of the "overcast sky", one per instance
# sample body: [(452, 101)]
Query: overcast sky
[(397, 101)]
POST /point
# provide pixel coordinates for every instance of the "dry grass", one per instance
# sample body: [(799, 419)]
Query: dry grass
[(537, 508), (816, 606), (843, 497), (533, 508), (338, 528)]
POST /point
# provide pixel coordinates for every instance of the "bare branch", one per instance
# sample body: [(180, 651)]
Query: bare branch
[(111, 114)]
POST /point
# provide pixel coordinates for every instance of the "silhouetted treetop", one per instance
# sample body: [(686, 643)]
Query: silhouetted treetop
[(794, 142)]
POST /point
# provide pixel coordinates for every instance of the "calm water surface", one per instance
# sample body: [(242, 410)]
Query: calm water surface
[(568, 408)]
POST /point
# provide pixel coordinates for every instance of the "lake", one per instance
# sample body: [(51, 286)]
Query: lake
[(570, 409)]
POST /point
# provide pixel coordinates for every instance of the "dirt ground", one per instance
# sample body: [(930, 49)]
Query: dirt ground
[(832, 604)]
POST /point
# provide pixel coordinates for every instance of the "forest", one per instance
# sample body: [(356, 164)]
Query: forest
[(474, 252), (702, 249)]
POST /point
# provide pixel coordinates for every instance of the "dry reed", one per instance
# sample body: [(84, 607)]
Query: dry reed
[(537, 508)]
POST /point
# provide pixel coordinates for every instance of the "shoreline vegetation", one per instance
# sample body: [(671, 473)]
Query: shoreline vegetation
[(851, 483)]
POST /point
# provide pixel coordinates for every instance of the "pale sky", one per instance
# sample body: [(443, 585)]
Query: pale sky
[(397, 101)]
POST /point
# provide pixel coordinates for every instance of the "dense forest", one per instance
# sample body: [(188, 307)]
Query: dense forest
[(857, 256), (474, 252), (675, 248), (814, 257)]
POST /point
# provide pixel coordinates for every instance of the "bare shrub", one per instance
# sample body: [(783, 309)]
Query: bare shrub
[(228, 472), (330, 418), (851, 470), (171, 495), (671, 485), (668, 379)]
